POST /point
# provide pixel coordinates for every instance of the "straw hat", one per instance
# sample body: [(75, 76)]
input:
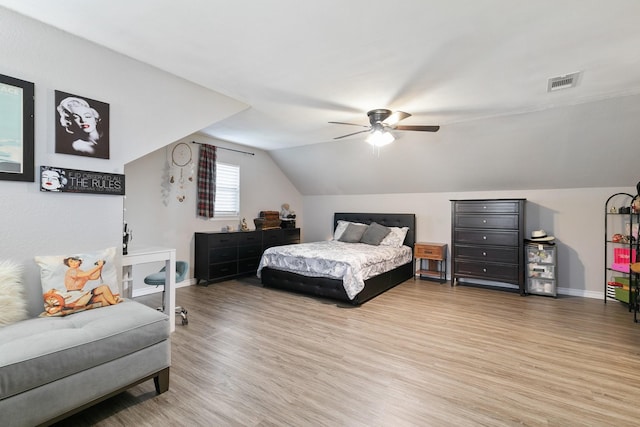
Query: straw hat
[(540, 236)]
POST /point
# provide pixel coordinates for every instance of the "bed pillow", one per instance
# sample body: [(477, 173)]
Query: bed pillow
[(342, 225), (374, 234), (353, 233), (13, 304), (78, 282), (396, 237)]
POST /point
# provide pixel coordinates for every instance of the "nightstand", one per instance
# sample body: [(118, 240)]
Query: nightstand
[(434, 255)]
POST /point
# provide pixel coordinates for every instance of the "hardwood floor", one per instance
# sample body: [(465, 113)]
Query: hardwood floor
[(422, 354)]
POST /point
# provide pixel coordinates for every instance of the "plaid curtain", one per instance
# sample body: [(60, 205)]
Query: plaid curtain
[(206, 180)]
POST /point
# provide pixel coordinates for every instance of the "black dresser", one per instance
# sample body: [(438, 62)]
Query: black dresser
[(222, 256), (487, 241)]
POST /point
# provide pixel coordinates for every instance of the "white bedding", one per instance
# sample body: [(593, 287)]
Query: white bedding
[(352, 262)]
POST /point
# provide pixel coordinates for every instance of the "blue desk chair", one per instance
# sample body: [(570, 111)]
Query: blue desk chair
[(157, 279)]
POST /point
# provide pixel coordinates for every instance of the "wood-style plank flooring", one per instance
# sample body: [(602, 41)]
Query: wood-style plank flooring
[(422, 354)]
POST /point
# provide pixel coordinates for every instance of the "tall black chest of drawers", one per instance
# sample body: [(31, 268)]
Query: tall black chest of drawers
[(487, 241), (222, 256)]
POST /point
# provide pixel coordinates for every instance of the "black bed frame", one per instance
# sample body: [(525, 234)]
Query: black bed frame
[(333, 288)]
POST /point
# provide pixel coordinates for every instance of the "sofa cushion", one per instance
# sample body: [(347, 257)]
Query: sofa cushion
[(38, 351), (78, 282)]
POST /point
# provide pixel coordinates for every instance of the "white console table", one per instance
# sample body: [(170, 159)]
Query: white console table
[(143, 255)]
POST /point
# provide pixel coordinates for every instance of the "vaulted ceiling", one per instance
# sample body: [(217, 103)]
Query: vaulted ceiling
[(477, 68)]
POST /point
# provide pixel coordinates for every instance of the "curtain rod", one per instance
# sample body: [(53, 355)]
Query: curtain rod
[(224, 148)]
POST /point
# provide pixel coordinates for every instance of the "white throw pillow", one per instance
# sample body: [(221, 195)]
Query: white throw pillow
[(396, 237), (77, 282), (13, 304)]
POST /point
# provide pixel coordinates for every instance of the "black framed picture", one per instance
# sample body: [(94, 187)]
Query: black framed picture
[(61, 180), (16, 129), (82, 126)]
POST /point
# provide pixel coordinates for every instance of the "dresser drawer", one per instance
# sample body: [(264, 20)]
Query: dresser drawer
[(249, 251), (487, 237), (488, 270), (290, 235), (223, 254), (492, 206), (501, 221), (487, 253), (249, 238), (249, 265), (223, 269), (272, 238), (428, 251), (219, 240)]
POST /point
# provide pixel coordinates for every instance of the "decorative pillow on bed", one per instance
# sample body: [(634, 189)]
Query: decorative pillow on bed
[(13, 304), (342, 225), (78, 282), (353, 233), (374, 234), (396, 237)]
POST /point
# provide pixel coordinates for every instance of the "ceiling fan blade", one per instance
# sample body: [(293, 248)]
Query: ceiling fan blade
[(350, 124), (351, 134), (395, 117), (419, 128)]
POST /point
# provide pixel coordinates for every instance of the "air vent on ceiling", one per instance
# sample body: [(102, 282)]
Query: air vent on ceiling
[(563, 82)]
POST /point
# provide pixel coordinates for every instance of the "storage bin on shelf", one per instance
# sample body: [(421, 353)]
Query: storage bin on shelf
[(622, 294), (622, 257)]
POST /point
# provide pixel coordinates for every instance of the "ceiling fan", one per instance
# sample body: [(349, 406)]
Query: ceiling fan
[(381, 121)]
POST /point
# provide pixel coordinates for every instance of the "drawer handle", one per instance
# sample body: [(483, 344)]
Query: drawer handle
[(484, 270), (484, 207), (484, 237), (484, 254), (484, 221)]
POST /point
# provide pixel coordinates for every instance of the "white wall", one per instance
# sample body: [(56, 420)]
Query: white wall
[(148, 109), (157, 221), (574, 216)]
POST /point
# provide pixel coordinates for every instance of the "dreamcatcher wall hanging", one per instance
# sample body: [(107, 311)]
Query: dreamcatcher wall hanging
[(182, 169)]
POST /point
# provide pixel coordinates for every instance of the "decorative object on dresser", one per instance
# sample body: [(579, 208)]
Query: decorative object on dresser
[(287, 216), (435, 256), (327, 269), (487, 238), (267, 220), (222, 256)]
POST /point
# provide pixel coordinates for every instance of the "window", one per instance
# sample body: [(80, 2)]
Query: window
[(227, 190)]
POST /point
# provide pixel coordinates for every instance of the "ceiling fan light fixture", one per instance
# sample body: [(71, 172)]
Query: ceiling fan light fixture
[(381, 121), (380, 138)]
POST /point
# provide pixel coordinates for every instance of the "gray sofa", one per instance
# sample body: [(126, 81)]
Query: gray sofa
[(52, 367)]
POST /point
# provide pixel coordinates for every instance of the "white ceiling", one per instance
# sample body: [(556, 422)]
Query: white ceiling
[(300, 64)]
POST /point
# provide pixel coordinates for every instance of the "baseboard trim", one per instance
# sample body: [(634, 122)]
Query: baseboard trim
[(581, 293)]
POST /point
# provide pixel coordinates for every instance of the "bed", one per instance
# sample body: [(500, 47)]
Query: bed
[(275, 276)]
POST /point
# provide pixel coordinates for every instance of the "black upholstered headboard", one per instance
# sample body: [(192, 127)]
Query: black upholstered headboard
[(386, 219)]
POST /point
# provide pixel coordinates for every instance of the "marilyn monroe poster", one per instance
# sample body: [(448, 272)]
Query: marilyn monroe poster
[(82, 126)]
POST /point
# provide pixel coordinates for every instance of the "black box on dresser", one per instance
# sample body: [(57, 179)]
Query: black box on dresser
[(487, 241)]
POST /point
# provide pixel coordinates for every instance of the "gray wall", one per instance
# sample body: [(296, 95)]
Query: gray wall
[(574, 216), (148, 109), (159, 221)]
